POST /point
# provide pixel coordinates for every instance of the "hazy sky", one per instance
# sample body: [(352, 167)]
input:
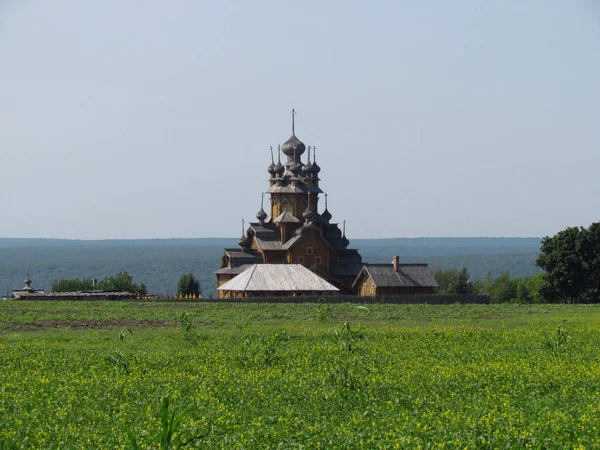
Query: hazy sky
[(137, 119)]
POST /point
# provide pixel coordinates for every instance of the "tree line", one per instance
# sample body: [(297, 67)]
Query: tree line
[(570, 263)]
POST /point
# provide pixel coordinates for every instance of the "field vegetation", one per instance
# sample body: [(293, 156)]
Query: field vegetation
[(188, 375)]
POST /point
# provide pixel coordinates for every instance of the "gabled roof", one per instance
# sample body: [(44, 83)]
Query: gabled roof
[(232, 270), (408, 275), (277, 278), (286, 217), (239, 257)]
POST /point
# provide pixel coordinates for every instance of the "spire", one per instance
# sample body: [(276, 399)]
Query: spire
[(308, 214), (279, 169), (27, 281), (243, 241), (271, 168), (315, 166), (261, 215), (345, 240), (326, 214)]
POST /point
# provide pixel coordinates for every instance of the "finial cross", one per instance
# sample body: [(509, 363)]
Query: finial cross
[(344, 227), (325, 200), (294, 112)]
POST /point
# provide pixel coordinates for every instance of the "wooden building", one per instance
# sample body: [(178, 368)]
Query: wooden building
[(271, 280), (294, 232), (395, 279)]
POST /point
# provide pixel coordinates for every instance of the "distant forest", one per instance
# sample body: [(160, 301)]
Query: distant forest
[(159, 263)]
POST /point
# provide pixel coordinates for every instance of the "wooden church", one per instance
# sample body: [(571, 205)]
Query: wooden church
[(294, 232)]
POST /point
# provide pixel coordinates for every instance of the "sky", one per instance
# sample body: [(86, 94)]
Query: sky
[(153, 119)]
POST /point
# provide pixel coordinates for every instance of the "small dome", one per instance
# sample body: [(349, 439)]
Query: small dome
[(293, 143), (317, 218), (279, 169), (308, 215), (326, 215), (295, 168), (271, 169), (261, 215), (243, 241), (345, 241), (315, 168), (307, 168)]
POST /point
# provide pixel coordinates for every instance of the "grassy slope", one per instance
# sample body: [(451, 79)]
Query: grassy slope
[(257, 376)]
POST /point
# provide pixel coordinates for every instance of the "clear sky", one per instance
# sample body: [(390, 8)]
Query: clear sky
[(141, 119)]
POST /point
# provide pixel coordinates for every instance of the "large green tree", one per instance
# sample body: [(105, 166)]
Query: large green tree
[(571, 262), (188, 284), (73, 285)]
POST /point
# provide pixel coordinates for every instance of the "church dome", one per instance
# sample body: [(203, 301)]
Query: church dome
[(279, 169), (295, 168), (326, 215), (308, 215), (345, 241), (261, 215), (293, 143), (243, 241), (271, 169), (308, 167)]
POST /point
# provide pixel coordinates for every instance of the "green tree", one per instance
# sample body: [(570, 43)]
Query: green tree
[(188, 284), (461, 284), (121, 282), (73, 285), (571, 261), (503, 289)]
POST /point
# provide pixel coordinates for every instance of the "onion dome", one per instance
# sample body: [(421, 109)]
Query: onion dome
[(308, 215), (293, 143), (271, 168), (345, 241), (279, 169), (243, 241), (317, 218), (315, 166), (295, 168), (308, 166), (261, 215), (326, 215)]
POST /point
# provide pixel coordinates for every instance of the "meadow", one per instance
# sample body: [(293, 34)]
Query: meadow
[(158, 375)]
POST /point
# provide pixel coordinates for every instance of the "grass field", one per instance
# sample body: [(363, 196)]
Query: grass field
[(99, 375)]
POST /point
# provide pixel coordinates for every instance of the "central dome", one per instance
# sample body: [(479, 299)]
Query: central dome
[(288, 146)]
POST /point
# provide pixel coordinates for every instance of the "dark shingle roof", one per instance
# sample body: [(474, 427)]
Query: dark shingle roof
[(408, 275), (239, 257)]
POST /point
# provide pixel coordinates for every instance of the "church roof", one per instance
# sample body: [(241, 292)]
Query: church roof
[(239, 257), (407, 275), (277, 278), (286, 217), (287, 187)]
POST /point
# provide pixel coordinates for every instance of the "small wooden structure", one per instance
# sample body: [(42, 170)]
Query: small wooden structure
[(395, 279), (272, 280)]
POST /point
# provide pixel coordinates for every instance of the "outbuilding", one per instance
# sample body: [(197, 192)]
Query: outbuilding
[(395, 279)]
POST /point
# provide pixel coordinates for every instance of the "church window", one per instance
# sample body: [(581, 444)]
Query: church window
[(318, 260), (310, 250)]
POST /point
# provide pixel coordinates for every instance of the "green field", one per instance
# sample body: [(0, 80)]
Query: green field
[(94, 375)]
